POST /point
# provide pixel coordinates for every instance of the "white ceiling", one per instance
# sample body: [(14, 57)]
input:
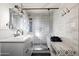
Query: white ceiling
[(37, 5), (41, 5), (32, 5)]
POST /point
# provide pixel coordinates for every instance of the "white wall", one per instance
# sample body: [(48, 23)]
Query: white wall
[(67, 26), (4, 15), (4, 19)]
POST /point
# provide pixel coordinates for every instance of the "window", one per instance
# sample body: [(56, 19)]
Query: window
[(30, 25)]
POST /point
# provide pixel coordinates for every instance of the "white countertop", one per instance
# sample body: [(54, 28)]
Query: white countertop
[(16, 39)]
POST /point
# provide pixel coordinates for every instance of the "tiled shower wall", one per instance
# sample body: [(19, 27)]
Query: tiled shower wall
[(67, 26), (40, 25)]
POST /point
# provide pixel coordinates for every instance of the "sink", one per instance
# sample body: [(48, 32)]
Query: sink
[(15, 35)]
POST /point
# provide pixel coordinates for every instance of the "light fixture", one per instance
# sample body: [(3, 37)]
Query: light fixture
[(63, 13), (19, 9), (67, 10), (16, 6)]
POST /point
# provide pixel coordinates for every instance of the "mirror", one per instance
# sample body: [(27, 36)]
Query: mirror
[(18, 21), (14, 19)]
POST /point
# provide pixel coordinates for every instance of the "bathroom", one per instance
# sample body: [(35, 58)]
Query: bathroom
[(26, 29)]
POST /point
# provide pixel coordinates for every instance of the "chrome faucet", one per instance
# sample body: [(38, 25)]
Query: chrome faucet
[(19, 31)]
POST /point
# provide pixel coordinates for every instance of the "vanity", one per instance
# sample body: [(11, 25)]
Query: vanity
[(16, 46)]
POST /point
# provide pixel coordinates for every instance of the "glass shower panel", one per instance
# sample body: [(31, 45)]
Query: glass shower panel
[(44, 27), (41, 26)]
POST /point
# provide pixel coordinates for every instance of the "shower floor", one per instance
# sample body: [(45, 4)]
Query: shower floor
[(40, 50)]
